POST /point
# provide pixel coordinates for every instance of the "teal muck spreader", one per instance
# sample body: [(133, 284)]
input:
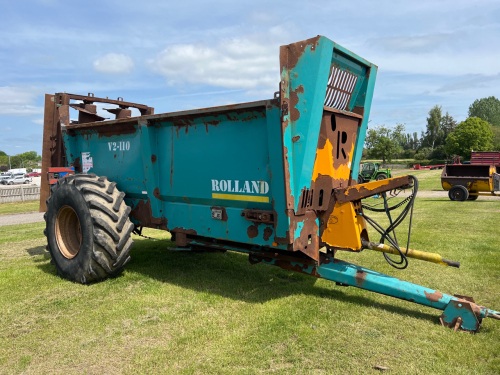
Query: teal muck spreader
[(275, 179)]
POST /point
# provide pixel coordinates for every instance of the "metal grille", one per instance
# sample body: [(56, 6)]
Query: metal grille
[(339, 89)]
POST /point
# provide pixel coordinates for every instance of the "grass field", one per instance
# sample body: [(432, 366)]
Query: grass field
[(194, 313), (427, 179), (19, 207)]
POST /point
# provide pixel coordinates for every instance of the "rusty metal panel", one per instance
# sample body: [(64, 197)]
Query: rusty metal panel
[(354, 193), (47, 148)]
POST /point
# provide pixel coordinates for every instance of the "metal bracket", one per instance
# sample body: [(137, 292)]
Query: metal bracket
[(259, 216)]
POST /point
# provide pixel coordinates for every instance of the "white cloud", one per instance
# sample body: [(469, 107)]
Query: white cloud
[(454, 53), (471, 82), (249, 62), (7, 128), (18, 101), (38, 121), (114, 63), (412, 44)]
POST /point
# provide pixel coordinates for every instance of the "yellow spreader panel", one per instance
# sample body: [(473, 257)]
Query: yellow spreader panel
[(345, 227)]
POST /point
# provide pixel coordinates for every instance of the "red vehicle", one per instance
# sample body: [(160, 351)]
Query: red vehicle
[(455, 160), (34, 174), (486, 158)]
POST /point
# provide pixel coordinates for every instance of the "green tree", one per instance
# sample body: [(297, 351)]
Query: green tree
[(2, 153), (383, 143), (433, 126), (416, 141), (16, 162), (448, 125), (424, 153), (28, 155), (496, 137), (487, 109), (471, 134)]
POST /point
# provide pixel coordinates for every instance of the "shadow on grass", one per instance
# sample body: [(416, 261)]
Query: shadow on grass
[(230, 275)]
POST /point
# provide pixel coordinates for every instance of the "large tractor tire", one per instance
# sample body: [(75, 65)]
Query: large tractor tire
[(381, 176), (88, 228)]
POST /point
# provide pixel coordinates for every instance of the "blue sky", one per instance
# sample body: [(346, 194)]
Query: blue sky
[(191, 54)]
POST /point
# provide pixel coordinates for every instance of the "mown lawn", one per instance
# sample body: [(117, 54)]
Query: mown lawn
[(19, 207), (181, 312)]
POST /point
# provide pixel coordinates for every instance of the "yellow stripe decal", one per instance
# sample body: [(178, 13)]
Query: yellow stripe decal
[(247, 198)]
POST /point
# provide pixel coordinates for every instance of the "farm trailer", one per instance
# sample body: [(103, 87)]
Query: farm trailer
[(469, 181), (274, 179)]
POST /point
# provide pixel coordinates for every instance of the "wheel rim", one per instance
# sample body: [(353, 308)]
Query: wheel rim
[(68, 232), (458, 194)]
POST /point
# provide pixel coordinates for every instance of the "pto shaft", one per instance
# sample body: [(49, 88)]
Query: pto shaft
[(422, 255)]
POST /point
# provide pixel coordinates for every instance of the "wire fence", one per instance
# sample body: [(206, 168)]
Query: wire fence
[(19, 194)]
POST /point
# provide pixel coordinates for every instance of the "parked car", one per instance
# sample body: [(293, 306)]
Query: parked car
[(34, 174), (4, 178), (14, 180)]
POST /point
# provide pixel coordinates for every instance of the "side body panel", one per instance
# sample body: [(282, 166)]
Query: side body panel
[(176, 170)]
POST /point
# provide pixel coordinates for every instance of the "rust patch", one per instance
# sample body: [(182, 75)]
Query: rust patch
[(433, 297), (224, 212), (296, 50), (294, 100), (307, 242), (111, 130), (290, 199), (231, 114), (252, 231), (267, 233), (357, 192), (153, 159), (142, 212), (78, 165), (180, 238), (359, 110), (360, 278), (213, 122), (296, 138), (183, 230), (156, 193)]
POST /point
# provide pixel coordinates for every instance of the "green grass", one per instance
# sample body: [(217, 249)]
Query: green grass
[(19, 207), (195, 313), (427, 179)]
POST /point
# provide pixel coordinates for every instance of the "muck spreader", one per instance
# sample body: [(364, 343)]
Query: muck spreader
[(275, 179)]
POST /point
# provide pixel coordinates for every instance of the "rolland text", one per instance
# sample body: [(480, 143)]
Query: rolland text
[(237, 186)]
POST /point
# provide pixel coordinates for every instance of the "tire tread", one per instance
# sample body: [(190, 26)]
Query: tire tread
[(112, 227)]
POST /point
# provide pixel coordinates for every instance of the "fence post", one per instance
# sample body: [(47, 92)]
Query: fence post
[(22, 193)]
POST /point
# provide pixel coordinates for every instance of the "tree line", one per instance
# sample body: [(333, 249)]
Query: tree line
[(443, 138), (28, 160)]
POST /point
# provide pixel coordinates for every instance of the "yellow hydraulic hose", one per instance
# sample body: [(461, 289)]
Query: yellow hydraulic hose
[(422, 255)]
